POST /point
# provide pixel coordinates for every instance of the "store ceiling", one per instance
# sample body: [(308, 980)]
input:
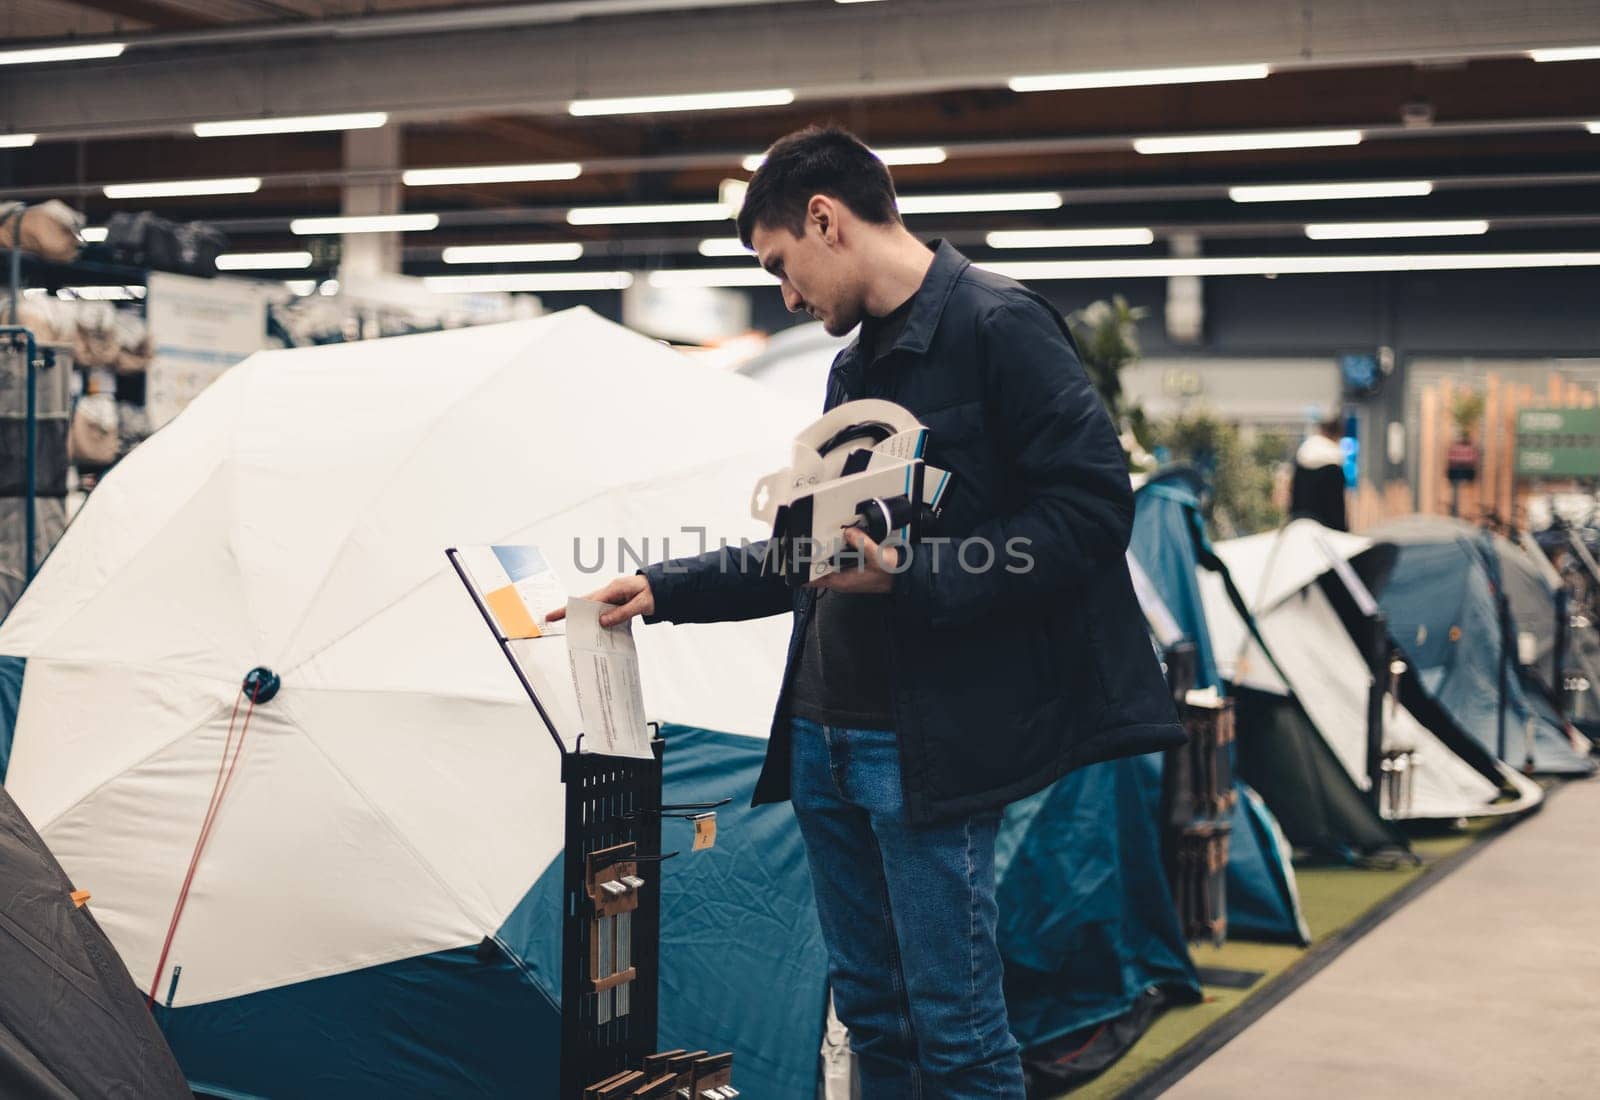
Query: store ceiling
[(1502, 137)]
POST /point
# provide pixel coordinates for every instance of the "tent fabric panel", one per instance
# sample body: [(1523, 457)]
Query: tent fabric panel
[(1263, 903), (1283, 757), (464, 1022), (11, 673), (472, 787), (1162, 542), (1086, 916), (744, 966), (1274, 565), (81, 724), (70, 1016), (292, 826)]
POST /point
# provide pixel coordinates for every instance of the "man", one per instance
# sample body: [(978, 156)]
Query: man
[(1318, 486), (923, 694)]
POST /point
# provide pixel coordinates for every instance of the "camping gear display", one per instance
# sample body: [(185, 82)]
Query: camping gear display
[(1447, 610), (1557, 644), (1168, 546), (35, 399), (859, 465), (1305, 698), (1201, 798), (51, 230), (145, 240), (381, 891), (71, 1022)]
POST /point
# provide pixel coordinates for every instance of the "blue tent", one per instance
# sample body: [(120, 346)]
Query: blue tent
[(1442, 601), (1168, 539)]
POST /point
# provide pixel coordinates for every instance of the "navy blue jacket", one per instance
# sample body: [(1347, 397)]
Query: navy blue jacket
[(1006, 677)]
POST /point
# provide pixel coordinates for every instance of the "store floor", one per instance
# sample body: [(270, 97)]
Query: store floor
[(1484, 986)]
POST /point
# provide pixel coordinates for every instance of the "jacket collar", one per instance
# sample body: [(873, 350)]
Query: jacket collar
[(928, 302)]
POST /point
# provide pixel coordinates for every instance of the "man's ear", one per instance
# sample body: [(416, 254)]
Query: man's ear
[(823, 212)]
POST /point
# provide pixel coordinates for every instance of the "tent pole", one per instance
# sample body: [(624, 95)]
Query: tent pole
[(1378, 659), (1503, 614)]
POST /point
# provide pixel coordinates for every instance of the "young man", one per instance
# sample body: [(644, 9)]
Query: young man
[(921, 696)]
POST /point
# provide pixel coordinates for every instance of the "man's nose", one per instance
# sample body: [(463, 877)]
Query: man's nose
[(791, 298)]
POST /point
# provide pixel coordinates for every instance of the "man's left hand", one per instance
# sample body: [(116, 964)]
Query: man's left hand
[(874, 576)]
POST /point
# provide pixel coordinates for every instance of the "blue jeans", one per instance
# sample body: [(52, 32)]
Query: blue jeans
[(908, 913)]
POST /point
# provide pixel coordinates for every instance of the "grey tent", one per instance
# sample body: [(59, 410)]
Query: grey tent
[(72, 1025), (1442, 600), (1560, 650)]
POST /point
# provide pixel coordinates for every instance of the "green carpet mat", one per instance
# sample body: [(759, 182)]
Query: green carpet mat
[(1332, 898)]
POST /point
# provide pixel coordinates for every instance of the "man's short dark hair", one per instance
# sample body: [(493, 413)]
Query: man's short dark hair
[(819, 160)]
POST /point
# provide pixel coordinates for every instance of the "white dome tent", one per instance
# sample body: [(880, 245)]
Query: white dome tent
[(396, 805), (1321, 666)]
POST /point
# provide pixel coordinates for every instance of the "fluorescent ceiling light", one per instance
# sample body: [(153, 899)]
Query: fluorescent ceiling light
[(512, 253), (1306, 192), (1068, 238), (17, 141), (302, 124), (93, 234), (1571, 53), (1129, 78), (979, 204), (245, 185), (263, 261), (1222, 143), (1286, 265), (712, 276), (1592, 127), (534, 281), (302, 287), (491, 173), (707, 101), (644, 215), (1358, 231), (723, 247), (365, 223), (44, 54)]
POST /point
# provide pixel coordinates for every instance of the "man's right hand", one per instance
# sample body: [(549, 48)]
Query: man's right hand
[(631, 595)]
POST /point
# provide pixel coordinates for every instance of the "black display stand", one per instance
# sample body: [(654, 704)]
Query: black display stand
[(610, 801)]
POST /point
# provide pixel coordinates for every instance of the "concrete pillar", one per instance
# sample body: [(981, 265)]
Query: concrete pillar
[(1186, 308), (367, 255)]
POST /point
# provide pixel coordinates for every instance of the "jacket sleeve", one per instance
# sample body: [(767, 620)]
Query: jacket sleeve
[(1064, 459), (723, 585)]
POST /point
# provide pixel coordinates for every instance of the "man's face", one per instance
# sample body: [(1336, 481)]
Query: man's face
[(814, 275)]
